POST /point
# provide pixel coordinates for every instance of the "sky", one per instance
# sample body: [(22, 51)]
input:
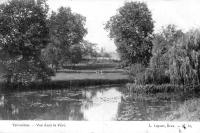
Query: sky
[(183, 13)]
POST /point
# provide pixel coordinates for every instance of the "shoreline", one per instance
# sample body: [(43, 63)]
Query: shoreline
[(60, 84), (164, 88)]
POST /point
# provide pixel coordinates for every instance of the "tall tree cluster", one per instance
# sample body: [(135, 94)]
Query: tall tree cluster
[(170, 56), (67, 30), (23, 33), (30, 40)]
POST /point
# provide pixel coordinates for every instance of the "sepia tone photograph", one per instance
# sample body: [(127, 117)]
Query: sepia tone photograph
[(100, 60)]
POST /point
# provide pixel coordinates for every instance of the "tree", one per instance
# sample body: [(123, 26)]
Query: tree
[(132, 28), (89, 49), (176, 56), (190, 68), (107, 55), (76, 54), (52, 55), (23, 34), (166, 50), (66, 30)]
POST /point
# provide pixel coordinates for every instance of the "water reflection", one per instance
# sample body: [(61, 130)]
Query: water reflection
[(103, 107), (94, 103)]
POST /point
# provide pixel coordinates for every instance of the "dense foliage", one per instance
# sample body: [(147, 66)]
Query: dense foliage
[(89, 49), (132, 28), (170, 56), (66, 31), (23, 34), (30, 41), (175, 59)]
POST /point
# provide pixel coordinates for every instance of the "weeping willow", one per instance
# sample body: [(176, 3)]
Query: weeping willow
[(184, 59), (177, 55), (180, 67)]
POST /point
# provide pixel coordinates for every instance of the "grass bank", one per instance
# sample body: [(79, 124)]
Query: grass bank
[(165, 88), (188, 111), (189, 108)]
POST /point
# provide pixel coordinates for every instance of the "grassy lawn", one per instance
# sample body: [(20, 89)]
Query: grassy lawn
[(105, 70), (81, 76), (95, 71)]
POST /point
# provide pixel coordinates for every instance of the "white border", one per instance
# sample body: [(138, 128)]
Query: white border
[(98, 127)]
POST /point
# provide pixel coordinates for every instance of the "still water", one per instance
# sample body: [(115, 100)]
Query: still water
[(90, 103)]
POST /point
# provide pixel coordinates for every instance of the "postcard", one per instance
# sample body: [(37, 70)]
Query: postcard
[(99, 66)]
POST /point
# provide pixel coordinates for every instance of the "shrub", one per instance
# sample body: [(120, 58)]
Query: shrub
[(136, 73), (156, 76), (141, 75)]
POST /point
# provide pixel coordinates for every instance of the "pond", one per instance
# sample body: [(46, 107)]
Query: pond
[(102, 103)]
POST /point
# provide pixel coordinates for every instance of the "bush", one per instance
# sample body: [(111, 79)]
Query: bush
[(136, 73), (156, 76), (141, 75)]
